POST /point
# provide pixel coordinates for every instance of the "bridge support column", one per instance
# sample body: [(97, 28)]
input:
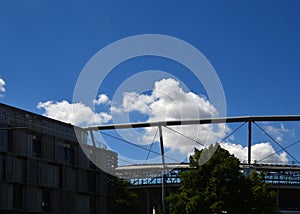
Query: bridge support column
[(249, 141), (163, 188)]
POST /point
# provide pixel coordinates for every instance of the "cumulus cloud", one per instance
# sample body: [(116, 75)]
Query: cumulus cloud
[(102, 99), (133, 101), (2, 86), (259, 152), (74, 113), (168, 101)]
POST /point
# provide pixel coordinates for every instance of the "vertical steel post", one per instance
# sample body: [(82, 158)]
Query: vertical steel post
[(249, 141), (163, 188)]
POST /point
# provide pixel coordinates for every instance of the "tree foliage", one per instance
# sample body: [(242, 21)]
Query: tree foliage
[(219, 186), (124, 201)]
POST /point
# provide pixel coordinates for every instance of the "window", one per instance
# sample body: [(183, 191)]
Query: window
[(91, 181), (10, 141), (45, 200), (9, 167), (3, 140), (66, 153), (2, 166), (24, 176), (36, 147), (60, 177), (17, 197)]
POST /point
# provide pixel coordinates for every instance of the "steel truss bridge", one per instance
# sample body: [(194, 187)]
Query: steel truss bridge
[(280, 176), (147, 178), (150, 174)]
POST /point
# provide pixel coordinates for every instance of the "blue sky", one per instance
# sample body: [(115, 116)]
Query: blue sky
[(253, 46)]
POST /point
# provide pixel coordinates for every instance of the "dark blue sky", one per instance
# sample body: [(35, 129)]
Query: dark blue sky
[(253, 45)]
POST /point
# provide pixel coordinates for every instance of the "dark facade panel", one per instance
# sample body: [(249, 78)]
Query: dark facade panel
[(44, 170)]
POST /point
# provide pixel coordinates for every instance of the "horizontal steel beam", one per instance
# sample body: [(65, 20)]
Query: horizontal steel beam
[(171, 166), (168, 166), (196, 121)]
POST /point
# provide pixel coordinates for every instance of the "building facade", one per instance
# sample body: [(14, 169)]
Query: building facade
[(43, 169)]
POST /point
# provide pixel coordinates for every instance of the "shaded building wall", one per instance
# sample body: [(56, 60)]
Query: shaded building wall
[(43, 168)]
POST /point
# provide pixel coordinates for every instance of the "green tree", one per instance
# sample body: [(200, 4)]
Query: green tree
[(219, 186), (123, 200)]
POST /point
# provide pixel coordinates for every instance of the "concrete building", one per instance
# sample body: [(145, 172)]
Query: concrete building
[(43, 169)]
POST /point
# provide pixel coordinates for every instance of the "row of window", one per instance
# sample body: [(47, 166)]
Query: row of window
[(44, 200), (35, 145), (17, 196), (19, 119), (34, 172), (66, 150)]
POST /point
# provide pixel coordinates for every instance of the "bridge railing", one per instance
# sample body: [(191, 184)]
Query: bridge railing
[(144, 175)]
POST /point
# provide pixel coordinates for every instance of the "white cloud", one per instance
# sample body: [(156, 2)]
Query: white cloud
[(74, 113), (139, 102), (2, 85), (102, 99), (277, 133), (259, 151), (168, 101)]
